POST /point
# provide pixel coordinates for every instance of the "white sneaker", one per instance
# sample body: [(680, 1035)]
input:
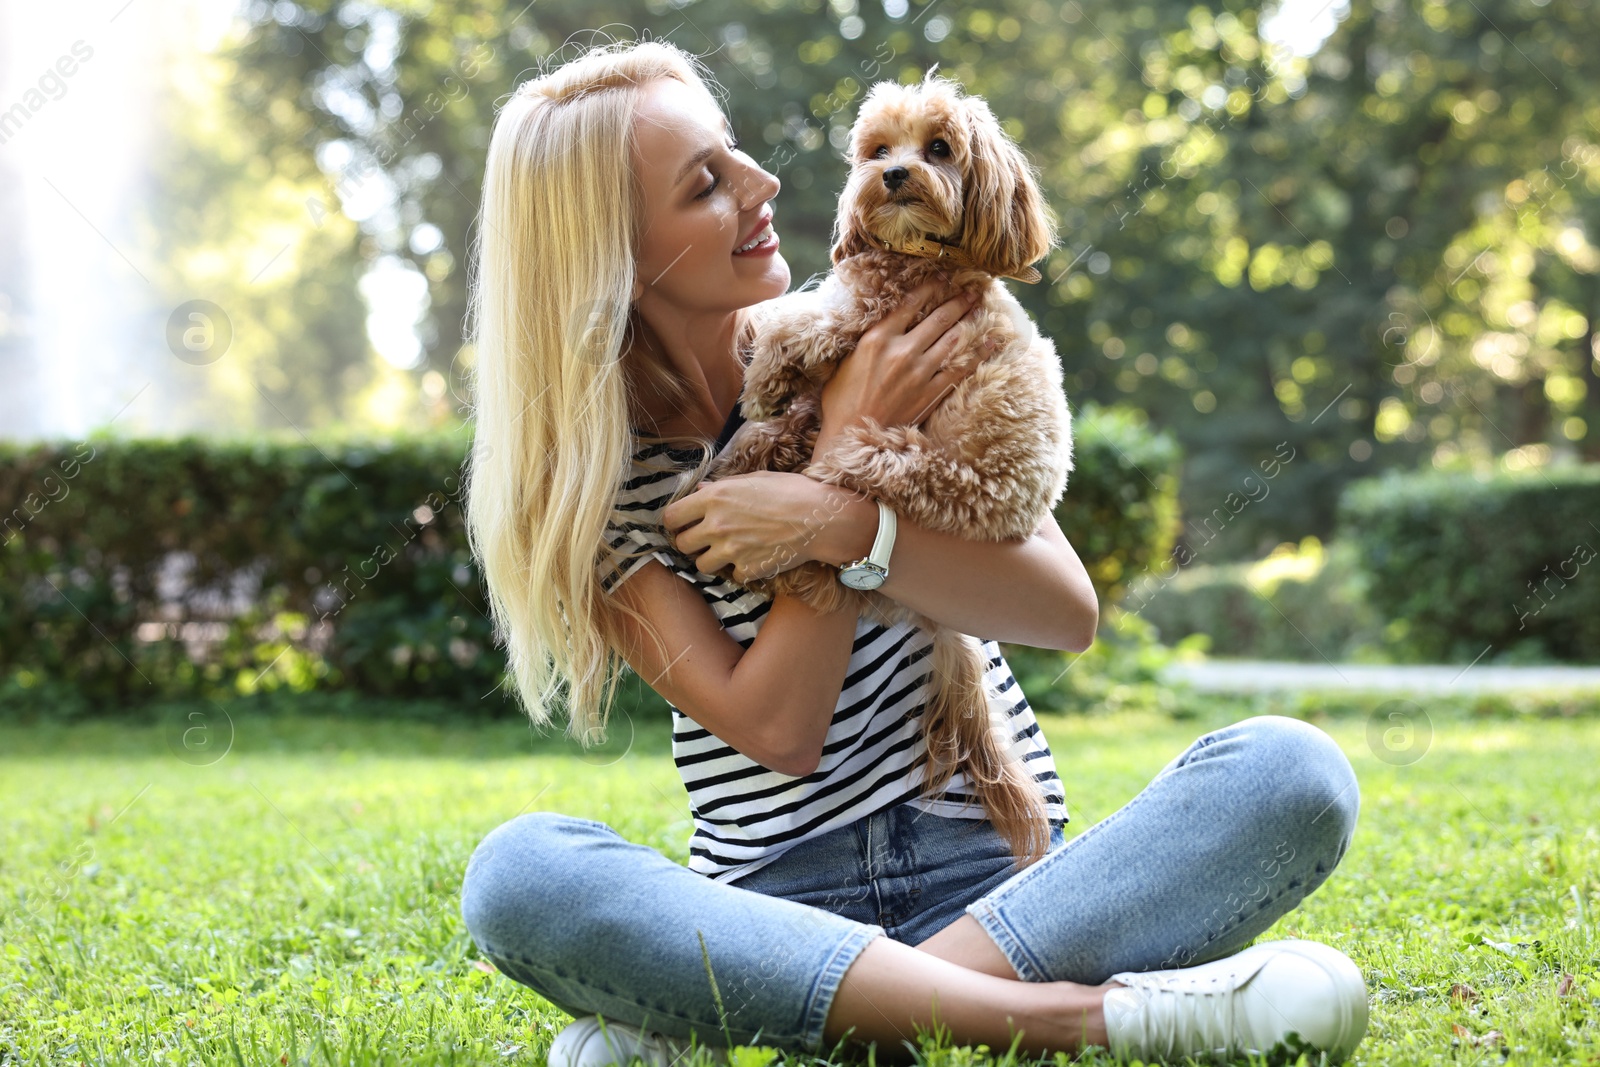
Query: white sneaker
[(1245, 1004), (583, 1044)]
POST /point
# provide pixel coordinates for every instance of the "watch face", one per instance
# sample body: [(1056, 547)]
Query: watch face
[(861, 578)]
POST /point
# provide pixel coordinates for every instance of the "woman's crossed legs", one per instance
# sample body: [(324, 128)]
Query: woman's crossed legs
[(1230, 836)]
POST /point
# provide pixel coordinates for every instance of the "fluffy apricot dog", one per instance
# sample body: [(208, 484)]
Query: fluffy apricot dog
[(936, 190)]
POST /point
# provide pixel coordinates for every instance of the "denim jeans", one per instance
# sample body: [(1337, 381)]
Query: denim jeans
[(1228, 837)]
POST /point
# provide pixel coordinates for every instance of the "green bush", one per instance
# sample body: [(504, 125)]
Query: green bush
[(1120, 510), (1501, 567), (138, 570), (1300, 603), (1121, 671)]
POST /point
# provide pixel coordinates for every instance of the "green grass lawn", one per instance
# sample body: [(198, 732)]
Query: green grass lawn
[(295, 901)]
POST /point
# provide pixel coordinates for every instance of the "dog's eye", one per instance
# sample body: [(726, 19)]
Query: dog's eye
[(938, 148), (881, 151)]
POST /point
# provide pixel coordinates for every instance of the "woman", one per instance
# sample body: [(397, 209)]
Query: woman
[(624, 238)]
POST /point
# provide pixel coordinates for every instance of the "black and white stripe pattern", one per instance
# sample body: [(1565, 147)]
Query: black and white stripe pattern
[(875, 750)]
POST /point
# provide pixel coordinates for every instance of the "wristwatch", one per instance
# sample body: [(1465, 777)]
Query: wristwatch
[(870, 571)]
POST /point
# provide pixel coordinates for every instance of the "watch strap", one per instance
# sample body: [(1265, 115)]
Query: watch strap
[(883, 544)]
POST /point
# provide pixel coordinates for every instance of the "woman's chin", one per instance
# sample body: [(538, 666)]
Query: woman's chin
[(776, 276), (770, 283)]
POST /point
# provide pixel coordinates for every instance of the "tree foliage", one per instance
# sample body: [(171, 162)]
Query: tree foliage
[(1382, 255)]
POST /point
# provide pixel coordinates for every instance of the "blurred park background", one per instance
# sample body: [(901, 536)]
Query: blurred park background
[(1325, 300)]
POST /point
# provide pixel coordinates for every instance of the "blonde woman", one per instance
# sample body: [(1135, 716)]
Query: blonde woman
[(830, 894)]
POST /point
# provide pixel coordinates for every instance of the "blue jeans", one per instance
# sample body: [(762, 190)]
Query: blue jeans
[(1228, 837)]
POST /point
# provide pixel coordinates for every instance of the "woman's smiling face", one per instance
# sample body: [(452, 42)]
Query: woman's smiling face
[(702, 199)]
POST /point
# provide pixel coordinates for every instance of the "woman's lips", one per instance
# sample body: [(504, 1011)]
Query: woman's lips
[(764, 243), (762, 223)]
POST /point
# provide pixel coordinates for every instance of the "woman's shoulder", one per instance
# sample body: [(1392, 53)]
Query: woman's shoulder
[(658, 471)]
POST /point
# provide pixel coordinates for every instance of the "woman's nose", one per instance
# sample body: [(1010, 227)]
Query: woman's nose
[(758, 188)]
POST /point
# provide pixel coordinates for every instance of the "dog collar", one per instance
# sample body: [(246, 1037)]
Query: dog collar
[(932, 247)]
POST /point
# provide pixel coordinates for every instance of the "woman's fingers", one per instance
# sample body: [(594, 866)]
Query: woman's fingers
[(897, 362), (943, 357), (684, 520), (946, 373), (683, 511), (897, 321), (690, 540), (709, 555), (924, 336), (747, 525)]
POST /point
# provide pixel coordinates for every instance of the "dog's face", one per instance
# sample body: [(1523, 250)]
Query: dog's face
[(926, 160)]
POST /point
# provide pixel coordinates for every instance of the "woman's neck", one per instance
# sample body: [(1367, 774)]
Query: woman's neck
[(712, 372)]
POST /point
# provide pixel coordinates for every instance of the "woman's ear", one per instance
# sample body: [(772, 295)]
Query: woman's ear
[(1006, 224)]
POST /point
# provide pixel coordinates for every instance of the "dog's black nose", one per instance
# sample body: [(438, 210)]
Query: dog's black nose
[(894, 176)]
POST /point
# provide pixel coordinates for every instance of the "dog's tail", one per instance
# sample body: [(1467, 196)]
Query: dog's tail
[(962, 733)]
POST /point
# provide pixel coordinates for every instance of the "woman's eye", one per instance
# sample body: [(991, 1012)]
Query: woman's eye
[(938, 147), (715, 179)]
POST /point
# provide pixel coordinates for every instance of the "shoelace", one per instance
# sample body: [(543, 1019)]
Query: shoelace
[(1161, 1021)]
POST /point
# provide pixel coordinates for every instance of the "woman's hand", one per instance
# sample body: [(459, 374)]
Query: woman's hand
[(760, 523), (896, 376)]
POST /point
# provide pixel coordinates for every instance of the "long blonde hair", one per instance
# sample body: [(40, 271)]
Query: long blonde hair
[(549, 321)]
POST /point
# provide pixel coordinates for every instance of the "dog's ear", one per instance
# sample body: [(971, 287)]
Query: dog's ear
[(1006, 223), (850, 237)]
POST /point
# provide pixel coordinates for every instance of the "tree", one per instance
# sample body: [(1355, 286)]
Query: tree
[(1378, 256)]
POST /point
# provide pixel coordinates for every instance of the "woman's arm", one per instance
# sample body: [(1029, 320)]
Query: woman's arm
[(1030, 592), (773, 701), (1034, 591)]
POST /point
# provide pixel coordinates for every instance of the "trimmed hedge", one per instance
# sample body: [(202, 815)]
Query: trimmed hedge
[(1504, 567), (145, 569)]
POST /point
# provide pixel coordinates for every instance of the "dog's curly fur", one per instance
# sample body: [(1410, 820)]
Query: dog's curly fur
[(992, 459)]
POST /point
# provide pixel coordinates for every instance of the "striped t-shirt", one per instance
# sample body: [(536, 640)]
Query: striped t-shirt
[(875, 751)]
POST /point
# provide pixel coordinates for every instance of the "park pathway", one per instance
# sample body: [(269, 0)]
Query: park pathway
[(1253, 676)]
